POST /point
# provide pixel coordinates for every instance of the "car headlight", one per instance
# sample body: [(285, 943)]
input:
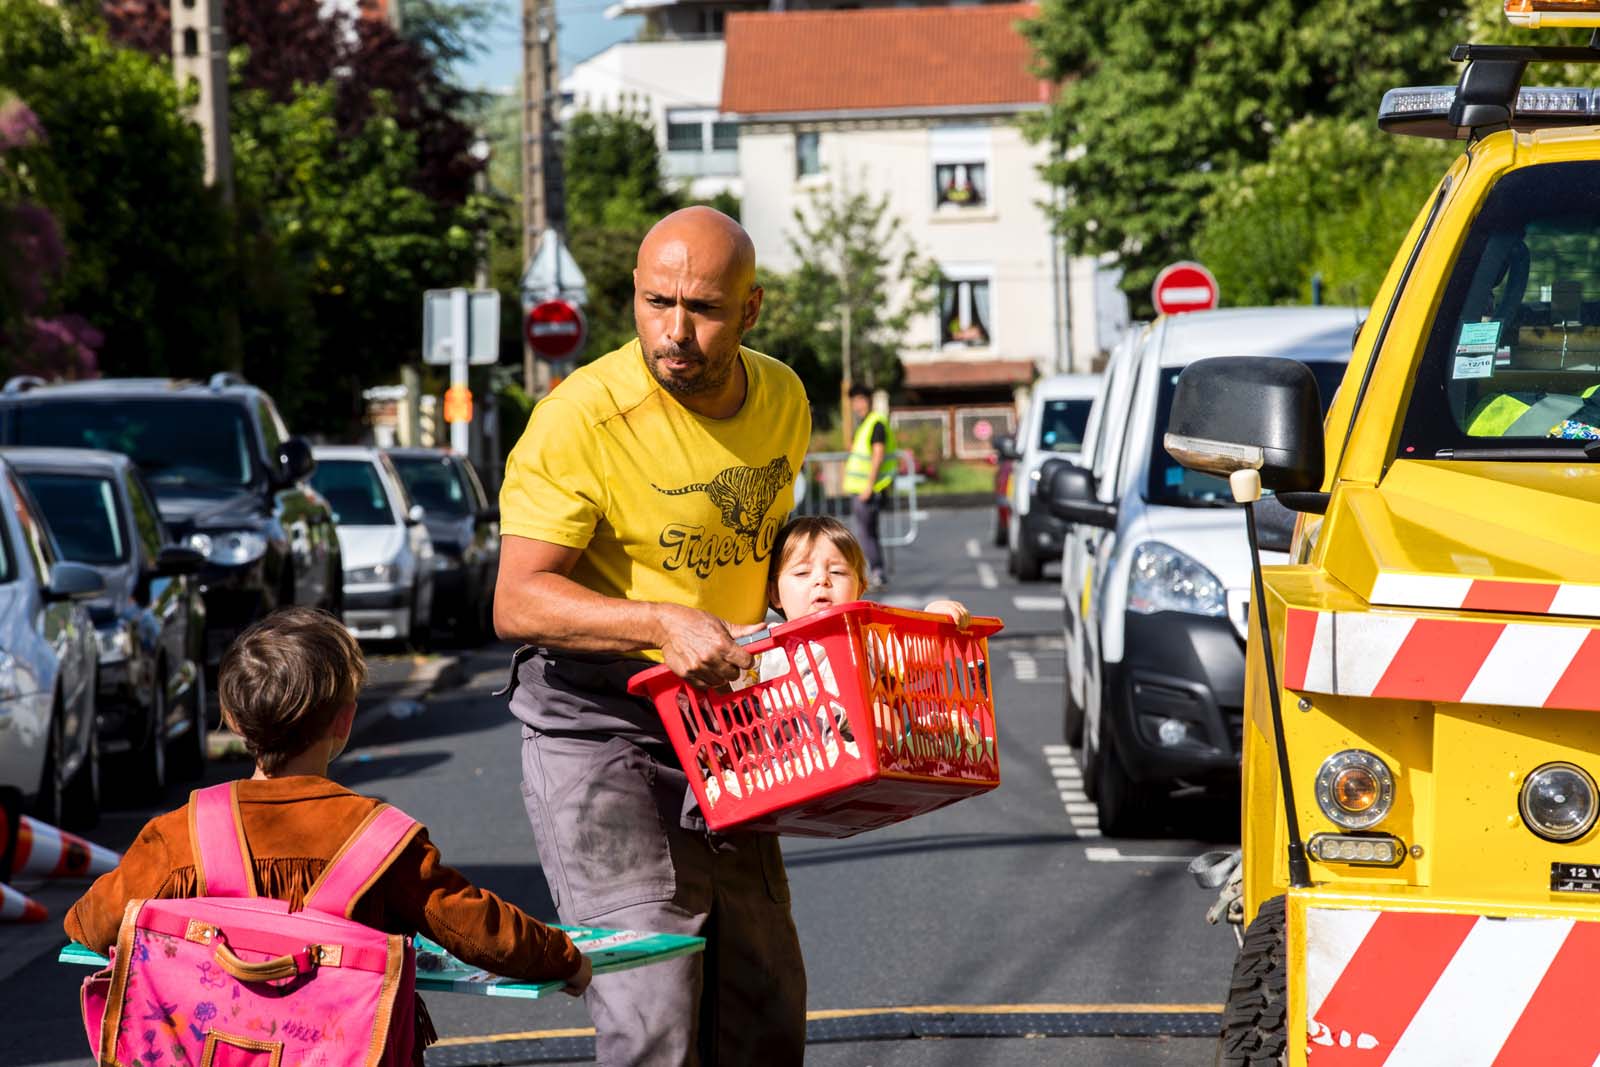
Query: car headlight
[(1164, 579), (381, 572), (230, 548), (1558, 802), (115, 645), (439, 561), (1355, 789)]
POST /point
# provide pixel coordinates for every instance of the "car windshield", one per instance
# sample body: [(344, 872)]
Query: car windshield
[(354, 491), (1175, 485), (435, 483), (191, 443), (82, 513), (1512, 365), (1062, 423)]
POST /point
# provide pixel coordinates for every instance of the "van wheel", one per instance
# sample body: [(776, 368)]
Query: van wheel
[(1123, 805), (1025, 564), (1071, 717), (1255, 1030)]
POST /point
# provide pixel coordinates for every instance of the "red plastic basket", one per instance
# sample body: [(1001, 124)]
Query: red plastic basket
[(862, 716)]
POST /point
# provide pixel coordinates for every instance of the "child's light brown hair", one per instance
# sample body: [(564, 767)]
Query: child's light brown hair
[(799, 534), (285, 679)]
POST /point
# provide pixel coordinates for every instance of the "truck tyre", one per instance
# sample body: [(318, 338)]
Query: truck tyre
[(1255, 1031)]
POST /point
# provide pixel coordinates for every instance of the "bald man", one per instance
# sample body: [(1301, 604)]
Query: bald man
[(637, 517)]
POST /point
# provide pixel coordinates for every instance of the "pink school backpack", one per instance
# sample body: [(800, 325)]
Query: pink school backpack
[(233, 979)]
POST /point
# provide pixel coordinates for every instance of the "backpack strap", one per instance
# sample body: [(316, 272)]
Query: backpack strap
[(364, 856), (222, 862)]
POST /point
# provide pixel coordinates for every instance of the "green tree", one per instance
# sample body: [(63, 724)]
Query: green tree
[(1158, 108), (147, 263)]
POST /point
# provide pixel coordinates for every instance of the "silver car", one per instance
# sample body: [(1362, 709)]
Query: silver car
[(49, 748), (388, 558)]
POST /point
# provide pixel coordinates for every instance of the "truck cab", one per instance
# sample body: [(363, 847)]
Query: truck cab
[(1420, 854)]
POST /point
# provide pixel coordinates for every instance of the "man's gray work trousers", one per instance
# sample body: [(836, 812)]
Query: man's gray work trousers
[(606, 813)]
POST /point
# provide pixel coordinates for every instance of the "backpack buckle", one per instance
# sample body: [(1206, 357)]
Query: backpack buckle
[(326, 955)]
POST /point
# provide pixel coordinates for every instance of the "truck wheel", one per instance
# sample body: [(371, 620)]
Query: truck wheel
[(1123, 805), (1025, 563), (1255, 1030)]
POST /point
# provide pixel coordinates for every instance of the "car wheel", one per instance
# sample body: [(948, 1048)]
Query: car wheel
[(1025, 564), (49, 805), (1123, 805), (148, 770), (1255, 1031), (416, 637), (189, 760), (80, 800)]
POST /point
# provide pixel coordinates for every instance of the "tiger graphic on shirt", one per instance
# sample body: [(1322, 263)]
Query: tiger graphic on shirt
[(743, 496)]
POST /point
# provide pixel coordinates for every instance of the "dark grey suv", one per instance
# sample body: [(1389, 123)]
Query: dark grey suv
[(228, 478)]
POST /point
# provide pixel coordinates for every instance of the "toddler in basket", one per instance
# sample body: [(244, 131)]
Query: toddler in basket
[(288, 688)]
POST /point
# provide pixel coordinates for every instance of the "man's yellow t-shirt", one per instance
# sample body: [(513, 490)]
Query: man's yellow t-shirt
[(667, 505)]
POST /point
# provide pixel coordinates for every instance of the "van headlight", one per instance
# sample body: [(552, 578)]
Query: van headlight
[(1355, 789), (1164, 579), (1558, 802)]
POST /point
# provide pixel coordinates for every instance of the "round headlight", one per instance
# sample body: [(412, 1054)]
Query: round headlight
[(1355, 789), (1558, 802)]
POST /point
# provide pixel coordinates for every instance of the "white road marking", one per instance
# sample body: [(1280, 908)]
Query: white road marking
[(987, 577), (1079, 809), (1038, 603), (1025, 666), (973, 551), (1057, 750), (1111, 854)]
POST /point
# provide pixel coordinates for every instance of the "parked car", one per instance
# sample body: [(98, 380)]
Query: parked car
[(150, 622), (229, 480), (1052, 428), (49, 749), (1160, 652), (464, 526), (388, 557), (1005, 461)]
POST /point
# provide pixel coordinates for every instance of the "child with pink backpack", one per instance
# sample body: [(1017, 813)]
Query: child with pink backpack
[(266, 923)]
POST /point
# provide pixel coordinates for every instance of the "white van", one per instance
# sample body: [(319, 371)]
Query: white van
[(1156, 569), (1053, 427)]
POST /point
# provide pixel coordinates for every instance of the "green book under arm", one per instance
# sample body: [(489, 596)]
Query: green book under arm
[(440, 972)]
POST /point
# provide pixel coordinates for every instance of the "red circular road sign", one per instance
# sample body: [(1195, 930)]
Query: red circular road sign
[(555, 329), (1184, 287)]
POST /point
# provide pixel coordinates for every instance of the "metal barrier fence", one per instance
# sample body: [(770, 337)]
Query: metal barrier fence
[(820, 494)]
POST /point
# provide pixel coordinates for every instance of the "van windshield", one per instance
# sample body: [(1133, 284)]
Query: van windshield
[(1177, 486), (1512, 364), (1062, 423)]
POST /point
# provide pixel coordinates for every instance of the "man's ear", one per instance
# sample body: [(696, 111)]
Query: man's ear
[(752, 307)]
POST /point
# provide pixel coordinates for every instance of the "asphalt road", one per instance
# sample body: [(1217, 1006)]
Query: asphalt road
[(1012, 932)]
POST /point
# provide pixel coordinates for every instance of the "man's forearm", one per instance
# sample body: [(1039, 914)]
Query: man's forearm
[(549, 609)]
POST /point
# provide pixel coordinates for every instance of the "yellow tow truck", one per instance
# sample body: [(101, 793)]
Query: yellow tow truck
[(1420, 872)]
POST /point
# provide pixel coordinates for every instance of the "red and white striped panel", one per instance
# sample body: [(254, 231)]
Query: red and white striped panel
[(1485, 594), (1447, 661), (1415, 989)]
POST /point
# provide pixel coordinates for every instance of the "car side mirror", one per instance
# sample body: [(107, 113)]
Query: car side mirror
[(177, 560), (74, 581), (415, 515), (1235, 413), (1005, 446), (295, 461), (1070, 493)]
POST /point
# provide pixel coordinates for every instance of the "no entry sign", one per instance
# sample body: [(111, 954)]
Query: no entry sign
[(1184, 287), (555, 329)]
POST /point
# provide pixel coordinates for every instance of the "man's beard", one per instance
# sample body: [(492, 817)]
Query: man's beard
[(711, 377)]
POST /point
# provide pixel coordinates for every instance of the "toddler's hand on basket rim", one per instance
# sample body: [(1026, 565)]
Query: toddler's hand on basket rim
[(953, 608)]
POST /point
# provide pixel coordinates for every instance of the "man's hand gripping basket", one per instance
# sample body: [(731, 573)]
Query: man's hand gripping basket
[(856, 717)]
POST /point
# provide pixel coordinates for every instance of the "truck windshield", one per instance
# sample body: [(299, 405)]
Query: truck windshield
[(1062, 423), (187, 443), (1176, 486), (1512, 365)]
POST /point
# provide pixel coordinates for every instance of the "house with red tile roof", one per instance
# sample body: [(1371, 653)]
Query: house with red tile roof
[(921, 105)]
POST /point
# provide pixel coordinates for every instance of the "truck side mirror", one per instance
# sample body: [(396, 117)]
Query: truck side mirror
[(1235, 413), (1069, 492)]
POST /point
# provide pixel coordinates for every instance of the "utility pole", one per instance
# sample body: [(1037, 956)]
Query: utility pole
[(200, 60), (543, 193), (846, 313)]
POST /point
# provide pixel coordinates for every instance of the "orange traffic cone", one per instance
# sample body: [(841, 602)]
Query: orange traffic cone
[(43, 850), (16, 908)]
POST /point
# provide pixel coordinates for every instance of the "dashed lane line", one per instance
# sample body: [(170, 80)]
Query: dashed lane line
[(987, 577), (1080, 810), (973, 549), (1039, 603), (1111, 854)]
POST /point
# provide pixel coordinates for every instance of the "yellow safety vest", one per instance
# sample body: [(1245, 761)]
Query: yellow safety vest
[(858, 467)]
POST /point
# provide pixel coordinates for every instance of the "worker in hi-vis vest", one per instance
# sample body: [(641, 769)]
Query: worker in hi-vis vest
[(868, 474)]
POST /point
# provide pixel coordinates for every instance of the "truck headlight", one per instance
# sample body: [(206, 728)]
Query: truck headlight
[(1557, 802), (230, 548), (1164, 579), (1355, 789)]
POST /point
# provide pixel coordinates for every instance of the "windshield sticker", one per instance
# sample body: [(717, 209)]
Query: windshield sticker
[(1474, 366), (1502, 357), (1478, 337)]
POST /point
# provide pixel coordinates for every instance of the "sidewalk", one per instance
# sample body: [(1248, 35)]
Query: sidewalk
[(397, 686)]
